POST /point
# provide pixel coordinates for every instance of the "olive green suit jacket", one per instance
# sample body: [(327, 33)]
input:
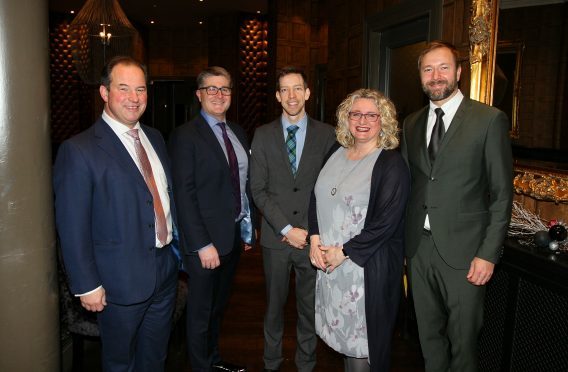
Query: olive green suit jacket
[(467, 193)]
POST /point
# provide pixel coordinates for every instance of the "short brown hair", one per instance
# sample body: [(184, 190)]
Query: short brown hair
[(290, 70), (120, 60), (213, 71), (436, 44)]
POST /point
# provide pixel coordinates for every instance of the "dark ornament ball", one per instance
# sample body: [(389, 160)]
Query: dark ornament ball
[(558, 233), (541, 239)]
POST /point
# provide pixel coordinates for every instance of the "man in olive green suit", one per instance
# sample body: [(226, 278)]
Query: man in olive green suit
[(458, 212)]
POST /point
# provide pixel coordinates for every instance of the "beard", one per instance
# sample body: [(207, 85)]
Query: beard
[(438, 94)]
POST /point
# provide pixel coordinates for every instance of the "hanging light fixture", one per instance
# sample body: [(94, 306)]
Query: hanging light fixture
[(90, 37)]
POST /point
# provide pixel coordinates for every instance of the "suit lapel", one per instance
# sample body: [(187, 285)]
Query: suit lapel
[(419, 137), (308, 150), (456, 123), (108, 141), (209, 137)]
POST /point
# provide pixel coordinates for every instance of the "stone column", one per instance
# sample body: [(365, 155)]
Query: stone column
[(29, 321)]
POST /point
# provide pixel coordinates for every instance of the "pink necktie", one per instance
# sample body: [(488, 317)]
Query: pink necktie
[(161, 226)]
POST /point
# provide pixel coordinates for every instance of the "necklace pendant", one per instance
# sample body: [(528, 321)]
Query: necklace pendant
[(333, 191)]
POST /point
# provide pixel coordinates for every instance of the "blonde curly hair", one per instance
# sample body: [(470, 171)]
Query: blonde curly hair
[(388, 138)]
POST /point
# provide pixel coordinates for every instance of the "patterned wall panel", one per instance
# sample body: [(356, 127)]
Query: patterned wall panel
[(253, 73), (495, 317), (71, 102), (541, 328)]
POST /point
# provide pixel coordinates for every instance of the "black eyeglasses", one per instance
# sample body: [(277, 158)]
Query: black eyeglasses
[(371, 116), (226, 91)]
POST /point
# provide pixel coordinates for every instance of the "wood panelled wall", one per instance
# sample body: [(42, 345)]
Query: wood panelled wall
[(177, 52), (301, 40), (346, 28), (544, 81)]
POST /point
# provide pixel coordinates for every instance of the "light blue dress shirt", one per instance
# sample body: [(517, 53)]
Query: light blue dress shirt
[(300, 141)]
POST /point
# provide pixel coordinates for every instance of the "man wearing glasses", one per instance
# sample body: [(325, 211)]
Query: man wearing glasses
[(210, 177)]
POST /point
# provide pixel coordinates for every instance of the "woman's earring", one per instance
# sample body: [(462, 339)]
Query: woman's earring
[(381, 134)]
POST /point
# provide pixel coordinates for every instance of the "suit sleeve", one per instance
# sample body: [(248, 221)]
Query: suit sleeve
[(499, 168), (390, 187), (403, 144), (73, 186), (259, 177), (190, 222)]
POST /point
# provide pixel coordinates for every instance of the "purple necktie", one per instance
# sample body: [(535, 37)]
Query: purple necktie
[(161, 226), (234, 167)]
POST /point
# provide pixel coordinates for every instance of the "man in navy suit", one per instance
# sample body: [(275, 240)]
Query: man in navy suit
[(114, 218), (210, 158)]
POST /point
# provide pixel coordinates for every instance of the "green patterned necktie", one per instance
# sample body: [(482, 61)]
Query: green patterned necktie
[(291, 146)]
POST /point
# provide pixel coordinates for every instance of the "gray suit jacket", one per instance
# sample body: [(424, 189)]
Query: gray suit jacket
[(283, 199), (467, 193)]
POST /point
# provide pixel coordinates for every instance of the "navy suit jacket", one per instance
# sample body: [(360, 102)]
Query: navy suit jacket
[(105, 214), (202, 187)]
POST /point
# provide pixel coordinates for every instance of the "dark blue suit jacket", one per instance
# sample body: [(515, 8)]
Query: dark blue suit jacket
[(105, 215), (202, 187)]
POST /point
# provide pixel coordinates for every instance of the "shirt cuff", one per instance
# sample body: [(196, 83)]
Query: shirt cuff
[(88, 293), (286, 230), (207, 246)]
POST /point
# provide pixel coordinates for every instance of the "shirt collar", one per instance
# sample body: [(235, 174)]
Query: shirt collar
[(451, 106), (117, 126), (302, 123), (212, 121)]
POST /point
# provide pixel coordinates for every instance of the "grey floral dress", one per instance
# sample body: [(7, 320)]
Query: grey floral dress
[(342, 193)]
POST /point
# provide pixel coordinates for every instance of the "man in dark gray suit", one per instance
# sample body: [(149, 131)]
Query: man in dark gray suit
[(460, 160), (286, 158)]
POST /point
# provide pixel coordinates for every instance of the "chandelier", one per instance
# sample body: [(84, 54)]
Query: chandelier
[(99, 32)]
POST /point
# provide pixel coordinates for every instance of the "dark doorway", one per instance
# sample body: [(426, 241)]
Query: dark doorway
[(394, 39), (171, 103)]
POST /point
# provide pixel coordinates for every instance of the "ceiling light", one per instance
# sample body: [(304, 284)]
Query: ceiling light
[(99, 31)]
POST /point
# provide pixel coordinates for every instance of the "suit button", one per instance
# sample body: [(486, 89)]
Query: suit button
[(296, 189), (432, 179), (425, 207), (295, 212), (151, 249), (149, 202), (150, 225)]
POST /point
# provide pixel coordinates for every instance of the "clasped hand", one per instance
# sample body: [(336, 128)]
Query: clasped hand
[(325, 257), (296, 237)]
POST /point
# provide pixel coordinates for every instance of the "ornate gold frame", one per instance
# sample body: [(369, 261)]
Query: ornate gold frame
[(540, 185), (516, 48), (482, 48)]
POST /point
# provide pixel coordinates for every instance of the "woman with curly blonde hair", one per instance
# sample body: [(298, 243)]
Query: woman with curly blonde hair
[(356, 231)]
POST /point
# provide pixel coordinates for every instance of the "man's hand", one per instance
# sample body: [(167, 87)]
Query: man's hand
[(480, 271), (94, 301), (296, 237), (209, 257), (247, 247)]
